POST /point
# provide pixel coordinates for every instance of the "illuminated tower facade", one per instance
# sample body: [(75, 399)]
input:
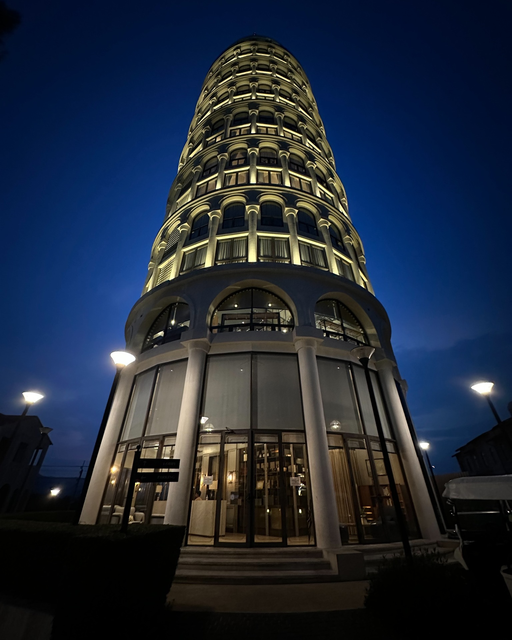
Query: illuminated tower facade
[(256, 294)]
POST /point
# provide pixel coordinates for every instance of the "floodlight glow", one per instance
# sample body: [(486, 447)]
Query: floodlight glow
[(122, 358), (54, 492), (204, 420), (424, 445), (32, 396), (483, 388)]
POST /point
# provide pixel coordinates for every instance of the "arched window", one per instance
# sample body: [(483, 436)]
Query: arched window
[(243, 89), (239, 119), (217, 126), (169, 325), (321, 178), (266, 117), (238, 158), (200, 226), (289, 123), (252, 310), (271, 214), (307, 223), (268, 157), (336, 240), (265, 88), (296, 163), (338, 322), (211, 166), (234, 216)]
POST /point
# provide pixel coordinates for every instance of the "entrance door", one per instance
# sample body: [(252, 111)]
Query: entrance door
[(251, 489)]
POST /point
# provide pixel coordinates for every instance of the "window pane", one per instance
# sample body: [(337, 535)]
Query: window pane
[(137, 412), (166, 405), (227, 392), (339, 400), (364, 401), (277, 400)]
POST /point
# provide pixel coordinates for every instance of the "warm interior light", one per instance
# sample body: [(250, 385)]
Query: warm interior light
[(55, 492), (32, 396), (483, 387), (424, 445), (122, 358), (114, 470)]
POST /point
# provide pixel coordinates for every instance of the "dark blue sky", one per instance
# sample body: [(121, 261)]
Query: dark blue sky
[(95, 104)]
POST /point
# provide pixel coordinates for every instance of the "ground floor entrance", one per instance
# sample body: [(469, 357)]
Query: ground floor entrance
[(251, 489)]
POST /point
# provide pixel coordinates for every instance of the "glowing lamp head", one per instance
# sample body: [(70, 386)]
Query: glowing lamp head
[(122, 358), (31, 397), (54, 492), (483, 388), (424, 445), (204, 419), (335, 424)]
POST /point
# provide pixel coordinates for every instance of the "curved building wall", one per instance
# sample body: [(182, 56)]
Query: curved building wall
[(257, 292)]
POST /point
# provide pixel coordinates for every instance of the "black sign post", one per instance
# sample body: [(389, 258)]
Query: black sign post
[(147, 476)]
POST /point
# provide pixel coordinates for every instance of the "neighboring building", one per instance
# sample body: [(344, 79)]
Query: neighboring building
[(257, 291), (23, 445), (488, 454)]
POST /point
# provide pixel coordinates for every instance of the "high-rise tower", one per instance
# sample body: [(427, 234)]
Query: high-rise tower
[(256, 294)]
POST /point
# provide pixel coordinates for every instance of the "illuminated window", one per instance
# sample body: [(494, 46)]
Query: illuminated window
[(336, 240), (338, 322), (238, 158), (168, 326), (268, 177), (235, 178), (312, 256), (231, 250), (300, 183), (206, 187), (268, 157), (194, 259), (273, 250), (252, 310)]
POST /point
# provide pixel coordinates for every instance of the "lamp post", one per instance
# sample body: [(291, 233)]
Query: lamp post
[(121, 359), (31, 397), (363, 354), (484, 389), (425, 446)]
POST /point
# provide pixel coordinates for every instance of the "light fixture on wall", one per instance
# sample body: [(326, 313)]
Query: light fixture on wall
[(231, 477), (335, 424)]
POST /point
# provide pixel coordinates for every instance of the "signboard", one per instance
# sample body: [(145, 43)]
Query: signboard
[(158, 463)]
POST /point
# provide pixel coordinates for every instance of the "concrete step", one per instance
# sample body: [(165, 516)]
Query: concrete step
[(217, 565), (203, 576)]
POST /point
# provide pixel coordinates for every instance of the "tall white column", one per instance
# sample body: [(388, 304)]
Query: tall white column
[(419, 493), (291, 219), (109, 442), (180, 493), (322, 484), (212, 238), (252, 215)]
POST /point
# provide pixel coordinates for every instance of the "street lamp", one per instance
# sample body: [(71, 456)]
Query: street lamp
[(484, 389), (31, 397), (121, 359), (363, 354), (425, 446)]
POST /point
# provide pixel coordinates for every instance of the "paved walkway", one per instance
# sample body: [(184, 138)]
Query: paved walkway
[(272, 598)]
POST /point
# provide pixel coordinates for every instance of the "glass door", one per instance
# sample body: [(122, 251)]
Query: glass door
[(269, 521), (232, 507)]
